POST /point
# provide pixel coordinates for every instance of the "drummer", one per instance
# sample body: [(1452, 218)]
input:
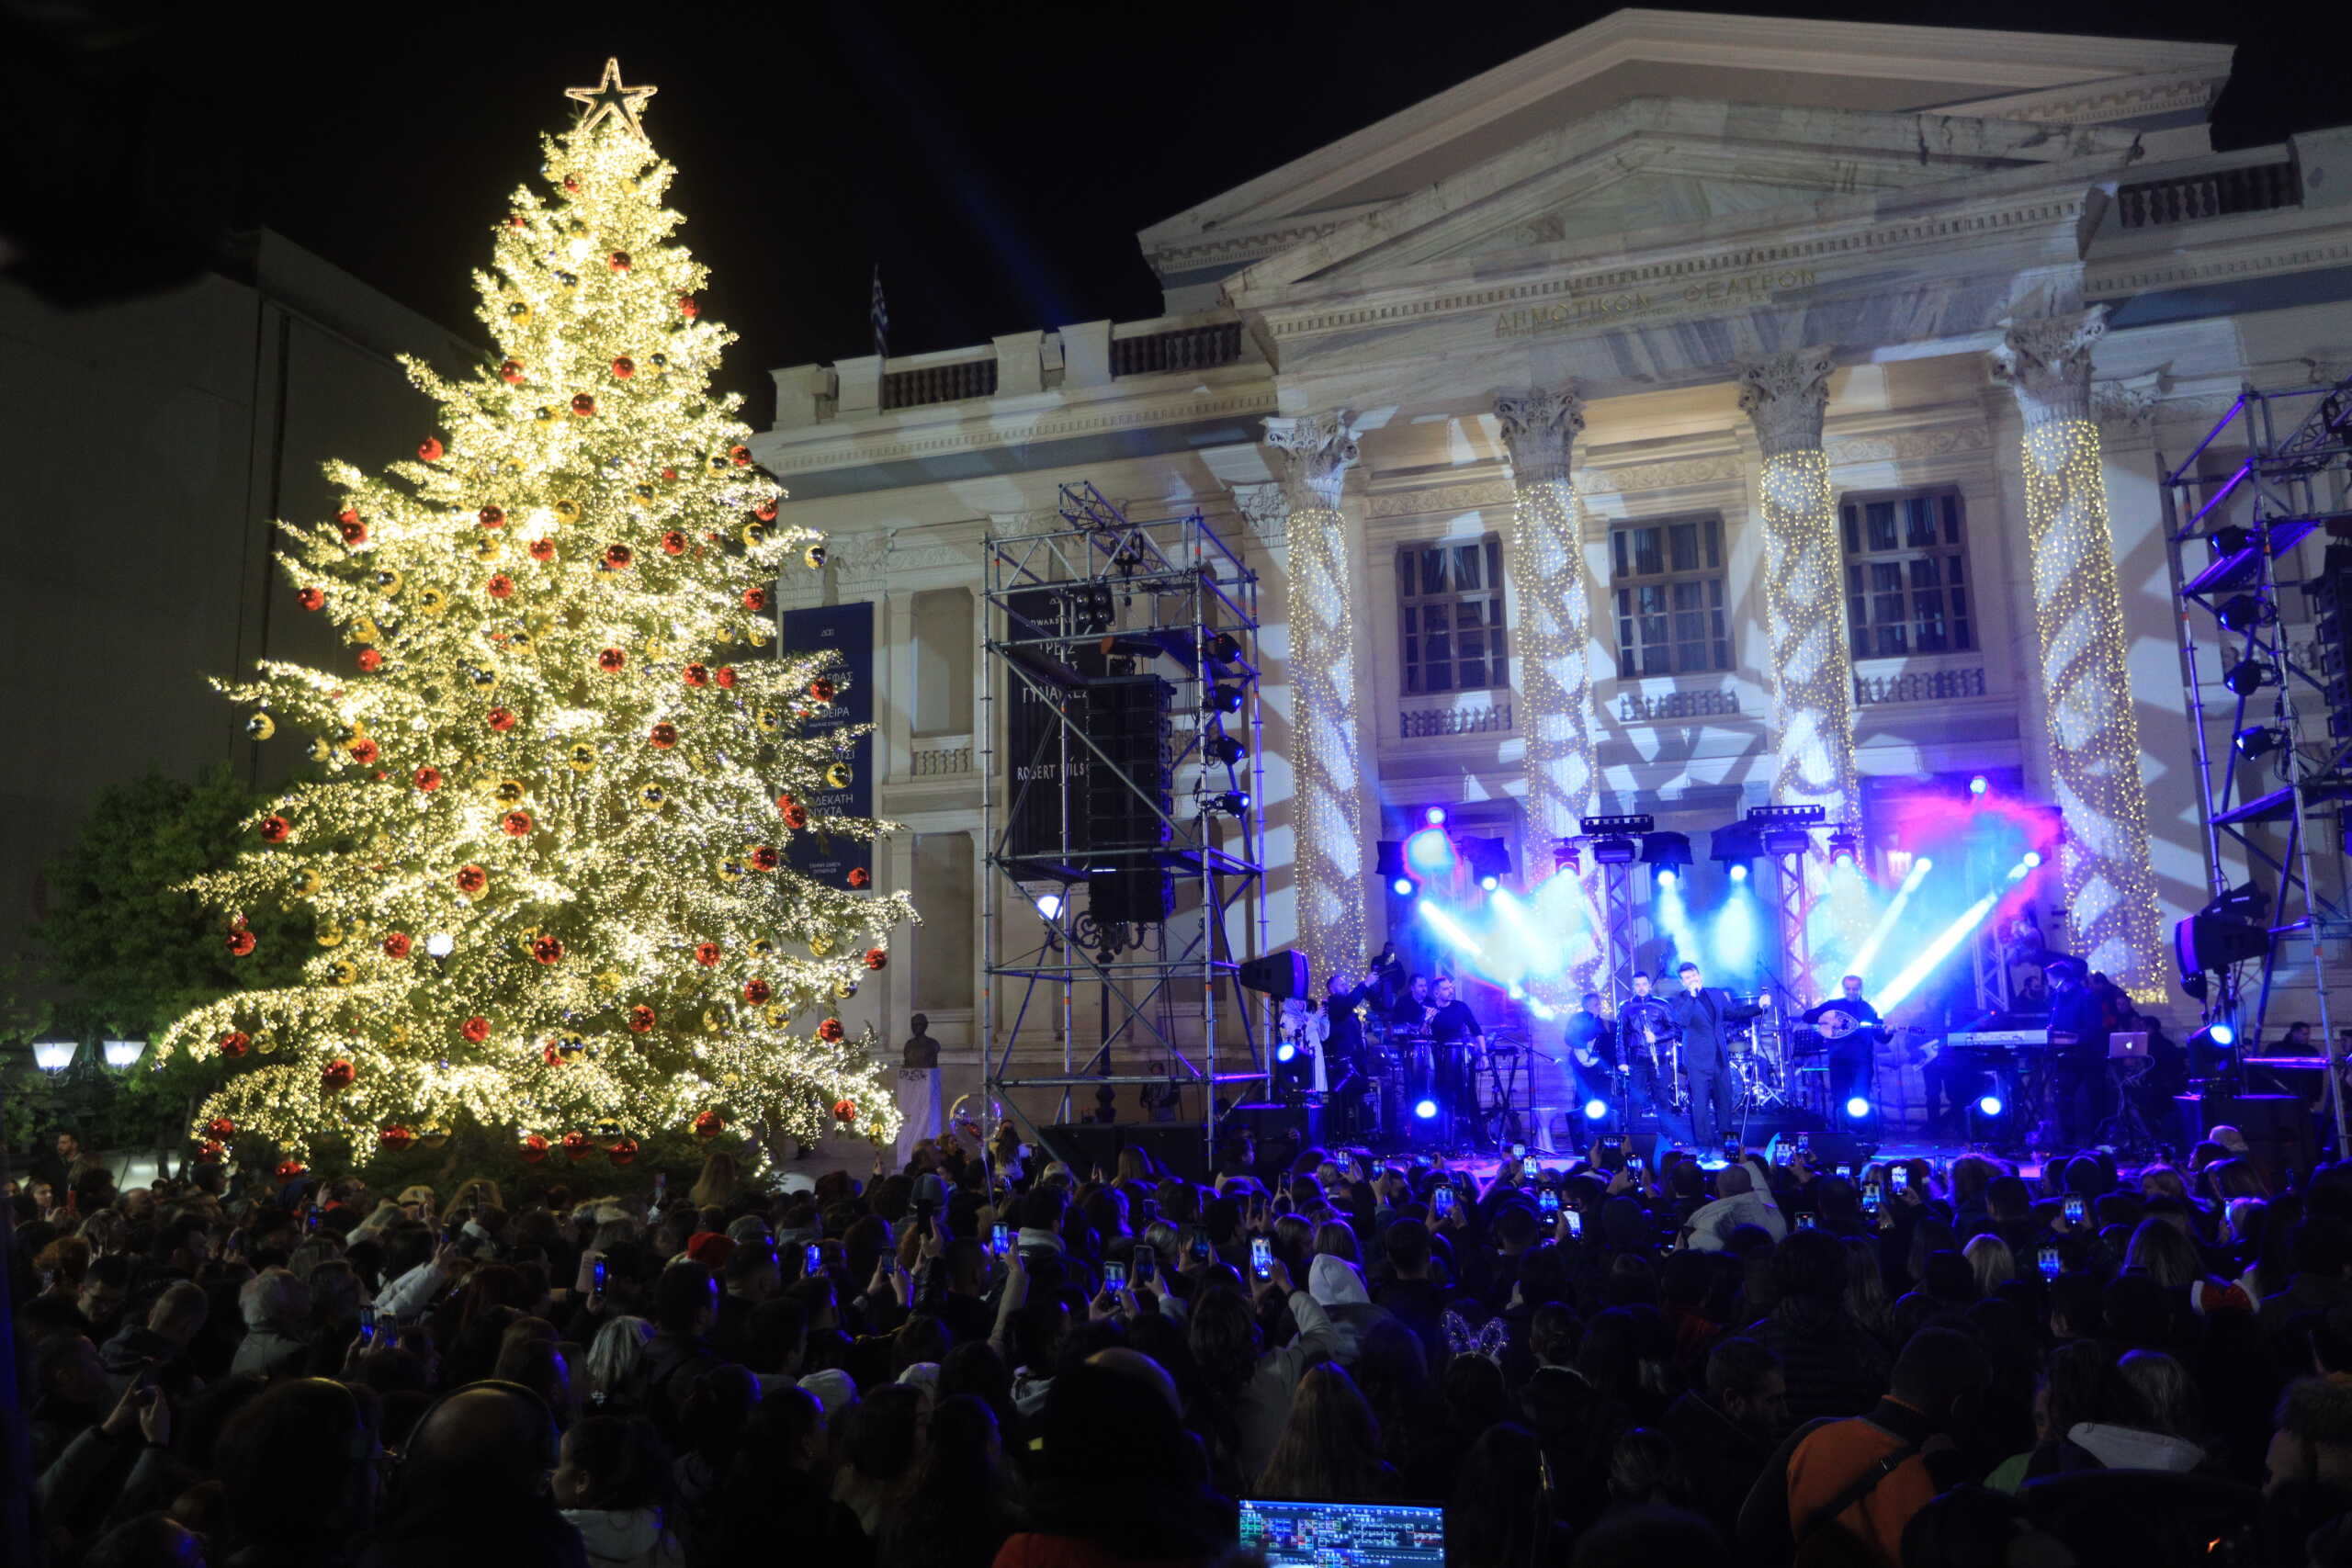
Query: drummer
[(1460, 1041), (1409, 1010)]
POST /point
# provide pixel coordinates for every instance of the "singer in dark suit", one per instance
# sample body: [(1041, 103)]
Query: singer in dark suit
[(1703, 1016)]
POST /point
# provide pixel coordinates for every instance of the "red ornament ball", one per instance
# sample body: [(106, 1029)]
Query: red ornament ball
[(542, 549), (705, 953), (310, 599), (491, 516), (234, 1043), (618, 556), (688, 306), (663, 736), (471, 879), (511, 371), (501, 719), (572, 185), (796, 815), (878, 958), (535, 1149), (288, 1170), (240, 943), (822, 689), (476, 1029), (365, 751), (576, 1144), (764, 858), (845, 1110), (429, 779), (619, 261), (548, 950), (337, 1074), (623, 367), (694, 675), (515, 824), (755, 599), (220, 1127), (274, 830), (500, 586), (208, 1153), (430, 450), (709, 1124), (859, 877), (583, 405), (355, 532), (623, 1151), (611, 660), (395, 1140), (756, 991), (726, 676), (831, 1030), (371, 660), (398, 946), (641, 1019), (673, 543), (764, 511), (740, 455)]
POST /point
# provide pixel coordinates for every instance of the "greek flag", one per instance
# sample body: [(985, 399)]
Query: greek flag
[(879, 315)]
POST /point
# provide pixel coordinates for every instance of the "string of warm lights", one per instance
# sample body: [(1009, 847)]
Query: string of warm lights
[(2095, 756), (1785, 397), (1554, 636), (557, 779), (1327, 753)]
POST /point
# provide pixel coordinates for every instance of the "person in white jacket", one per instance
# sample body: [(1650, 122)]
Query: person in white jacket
[(607, 1483), (1744, 1199)]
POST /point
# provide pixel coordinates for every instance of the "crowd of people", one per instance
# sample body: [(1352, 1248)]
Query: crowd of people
[(991, 1360)]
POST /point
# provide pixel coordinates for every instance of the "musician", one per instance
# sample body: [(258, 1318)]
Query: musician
[(1592, 1060), (1409, 1010), (2077, 1054), (1850, 1026), (1460, 1041), (1341, 1039), (1703, 1017), (1643, 1029)]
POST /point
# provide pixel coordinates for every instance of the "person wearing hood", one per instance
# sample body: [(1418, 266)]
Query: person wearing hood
[(1744, 1197), (160, 1341), (1340, 1291), (608, 1487)]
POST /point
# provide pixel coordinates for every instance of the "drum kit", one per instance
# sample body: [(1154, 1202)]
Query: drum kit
[(1471, 1088)]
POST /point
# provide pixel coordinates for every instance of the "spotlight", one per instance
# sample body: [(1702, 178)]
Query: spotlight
[(1565, 856), (2247, 677), (1430, 851), (1666, 851), (1857, 1108), (1434, 816), (1049, 905), (2229, 540), (2256, 740), (1735, 844), (1232, 802), (2224, 1034), (1402, 886), (1845, 844), (1614, 852), (1787, 841), (1226, 750), (1426, 1110), (2241, 612), (1285, 1051), (2031, 858), (1222, 699), (1225, 648), (1739, 870), (1990, 1106), (1666, 877), (1489, 860), (1595, 1109), (1979, 785)]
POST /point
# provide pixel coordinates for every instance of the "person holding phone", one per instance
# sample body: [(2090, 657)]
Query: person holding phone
[(1744, 1197)]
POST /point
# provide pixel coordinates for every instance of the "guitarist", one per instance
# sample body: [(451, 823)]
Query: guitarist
[(1850, 1027)]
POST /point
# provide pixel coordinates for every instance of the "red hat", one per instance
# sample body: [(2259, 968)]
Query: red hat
[(710, 1247)]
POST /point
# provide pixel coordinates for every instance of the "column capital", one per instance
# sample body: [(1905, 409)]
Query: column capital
[(1317, 450), (1784, 396), (2046, 362), (1540, 427)]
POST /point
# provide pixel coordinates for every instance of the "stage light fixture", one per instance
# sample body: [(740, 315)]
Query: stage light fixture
[(1490, 860), (2256, 740), (1625, 825), (1739, 870), (1990, 1106), (2247, 677), (2241, 612), (2031, 859), (1614, 852), (1049, 905), (2229, 540), (1735, 844), (1857, 1108), (1224, 748), (1401, 885), (1426, 1110), (1595, 1109), (1232, 802), (1428, 852), (1434, 817), (1223, 699), (2224, 1033), (1225, 648), (1845, 846), (1667, 876), (1668, 852), (1979, 783), (1286, 1052), (1787, 841)]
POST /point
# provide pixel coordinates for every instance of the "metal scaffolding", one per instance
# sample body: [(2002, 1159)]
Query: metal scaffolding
[(2230, 531), (1131, 846)]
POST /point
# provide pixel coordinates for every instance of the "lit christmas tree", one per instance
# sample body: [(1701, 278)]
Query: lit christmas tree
[(563, 767)]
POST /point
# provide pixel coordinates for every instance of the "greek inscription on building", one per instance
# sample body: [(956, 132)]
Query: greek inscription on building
[(1587, 310)]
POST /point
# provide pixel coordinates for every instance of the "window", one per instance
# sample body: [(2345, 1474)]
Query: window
[(1450, 604), (1668, 578), (1906, 576)]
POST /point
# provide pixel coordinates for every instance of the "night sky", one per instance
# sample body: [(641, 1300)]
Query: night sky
[(994, 160)]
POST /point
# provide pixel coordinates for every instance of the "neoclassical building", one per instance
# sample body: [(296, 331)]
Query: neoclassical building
[(1699, 412)]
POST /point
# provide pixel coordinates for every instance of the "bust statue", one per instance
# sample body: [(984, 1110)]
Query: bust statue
[(920, 1050)]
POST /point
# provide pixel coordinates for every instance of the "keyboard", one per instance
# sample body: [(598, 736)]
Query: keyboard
[(2289, 1064), (1998, 1040)]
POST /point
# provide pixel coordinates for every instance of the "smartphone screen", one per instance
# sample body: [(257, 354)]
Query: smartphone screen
[(1730, 1150), (1547, 1201), (1262, 1257), (596, 1276), (2048, 1260), (2073, 1209), (1147, 1262), (812, 1261), (1519, 1150), (1902, 1175), (1808, 1221), (1871, 1196), (1000, 1239), (368, 1325), (1442, 1201), (1633, 1163), (1575, 1222), (1197, 1244), (1115, 1276)]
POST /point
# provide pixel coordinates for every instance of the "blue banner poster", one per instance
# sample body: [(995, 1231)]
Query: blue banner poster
[(846, 631)]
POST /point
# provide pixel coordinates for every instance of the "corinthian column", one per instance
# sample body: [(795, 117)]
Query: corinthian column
[(1812, 669), (1325, 665), (1547, 571), (2087, 689)]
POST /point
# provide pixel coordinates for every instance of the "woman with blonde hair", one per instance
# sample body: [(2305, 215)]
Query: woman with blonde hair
[(1992, 1262), (718, 1181), (481, 1192), (615, 1367)]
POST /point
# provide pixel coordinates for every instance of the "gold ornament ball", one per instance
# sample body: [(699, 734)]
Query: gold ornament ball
[(261, 726), (582, 757), (838, 775)]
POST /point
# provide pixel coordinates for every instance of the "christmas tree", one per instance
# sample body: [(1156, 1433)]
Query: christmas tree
[(560, 774)]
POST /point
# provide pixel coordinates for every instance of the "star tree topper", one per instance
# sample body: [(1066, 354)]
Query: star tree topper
[(609, 97)]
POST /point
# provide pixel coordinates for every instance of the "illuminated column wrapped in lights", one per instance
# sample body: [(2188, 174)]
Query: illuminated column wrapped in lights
[(1327, 758), (2087, 689), (1547, 570), (1813, 670)]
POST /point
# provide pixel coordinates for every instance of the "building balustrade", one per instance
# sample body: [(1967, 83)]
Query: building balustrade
[(1492, 719), (1182, 348), (2218, 193), (939, 756), (1633, 707), (939, 383), (1918, 686)]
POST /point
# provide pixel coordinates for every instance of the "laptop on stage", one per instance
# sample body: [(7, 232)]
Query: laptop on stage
[(2127, 1047), (1343, 1535)]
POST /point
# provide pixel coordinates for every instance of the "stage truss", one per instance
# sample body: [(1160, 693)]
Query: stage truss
[(1165, 596), (2229, 533)]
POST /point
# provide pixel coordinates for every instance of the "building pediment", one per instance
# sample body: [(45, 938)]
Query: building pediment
[(1664, 170)]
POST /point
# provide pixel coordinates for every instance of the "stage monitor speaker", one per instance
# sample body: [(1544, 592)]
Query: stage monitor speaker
[(2215, 942), (1279, 974), (1180, 1148), (2278, 1127)]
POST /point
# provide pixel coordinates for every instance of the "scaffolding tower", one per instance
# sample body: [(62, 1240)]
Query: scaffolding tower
[(2289, 759), (1127, 859)]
